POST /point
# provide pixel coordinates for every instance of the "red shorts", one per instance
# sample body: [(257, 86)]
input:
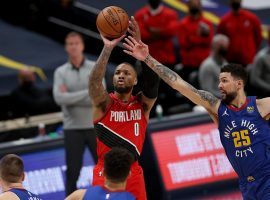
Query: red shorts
[(135, 181)]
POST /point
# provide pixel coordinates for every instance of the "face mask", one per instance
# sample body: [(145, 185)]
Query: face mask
[(235, 6), (222, 52), (194, 11)]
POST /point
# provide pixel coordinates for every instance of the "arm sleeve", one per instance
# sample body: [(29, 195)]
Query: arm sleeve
[(150, 82), (68, 98)]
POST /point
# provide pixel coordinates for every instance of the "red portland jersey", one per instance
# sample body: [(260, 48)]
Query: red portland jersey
[(123, 125)]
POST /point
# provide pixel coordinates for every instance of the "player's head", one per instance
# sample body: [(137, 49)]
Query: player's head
[(194, 6), (117, 164), (220, 44), (235, 4), (124, 78), (11, 169), (74, 44), (232, 80), (154, 3)]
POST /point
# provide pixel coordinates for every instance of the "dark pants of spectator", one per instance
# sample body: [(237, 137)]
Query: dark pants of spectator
[(75, 142)]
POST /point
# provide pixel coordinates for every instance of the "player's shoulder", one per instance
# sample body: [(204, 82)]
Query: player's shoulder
[(78, 194), (263, 101), (9, 195), (130, 196), (263, 106)]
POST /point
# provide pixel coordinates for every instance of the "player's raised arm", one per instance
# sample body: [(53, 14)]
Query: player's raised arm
[(140, 51), (150, 79), (97, 92)]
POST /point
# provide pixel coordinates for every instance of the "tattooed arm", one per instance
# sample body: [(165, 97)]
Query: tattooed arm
[(199, 97), (97, 92)]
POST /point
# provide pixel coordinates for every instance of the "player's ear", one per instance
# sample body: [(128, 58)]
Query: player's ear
[(23, 176), (135, 81), (240, 84)]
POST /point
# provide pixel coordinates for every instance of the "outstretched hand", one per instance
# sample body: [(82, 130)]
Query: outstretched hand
[(138, 50), (134, 29), (111, 43)]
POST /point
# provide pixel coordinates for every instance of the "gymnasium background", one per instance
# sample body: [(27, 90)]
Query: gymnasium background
[(182, 157)]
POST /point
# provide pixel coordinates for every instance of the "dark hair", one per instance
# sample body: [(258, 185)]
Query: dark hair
[(73, 34), (236, 70), (117, 164), (11, 168)]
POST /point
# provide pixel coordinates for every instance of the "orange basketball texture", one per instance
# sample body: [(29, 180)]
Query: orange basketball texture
[(112, 22)]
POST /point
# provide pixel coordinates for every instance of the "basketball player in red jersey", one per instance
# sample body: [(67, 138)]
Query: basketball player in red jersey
[(120, 119)]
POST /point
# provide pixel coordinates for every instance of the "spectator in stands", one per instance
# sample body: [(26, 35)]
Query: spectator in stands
[(71, 93), (28, 99), (210, 68), (157, 23), (244, 31), (195, 34), (117, 164), (11, 178), (260, 71)]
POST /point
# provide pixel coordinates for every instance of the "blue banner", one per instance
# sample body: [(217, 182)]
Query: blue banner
[(45, 173)]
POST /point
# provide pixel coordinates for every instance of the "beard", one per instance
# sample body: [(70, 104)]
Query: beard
[(229, 97), (122, 90)]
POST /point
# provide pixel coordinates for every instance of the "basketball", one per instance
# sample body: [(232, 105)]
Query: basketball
[(112, 22)]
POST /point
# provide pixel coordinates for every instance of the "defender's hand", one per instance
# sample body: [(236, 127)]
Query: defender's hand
[(138, 50), (134, 29)]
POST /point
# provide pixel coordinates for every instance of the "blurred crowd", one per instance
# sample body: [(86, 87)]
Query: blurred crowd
[(191, 46)]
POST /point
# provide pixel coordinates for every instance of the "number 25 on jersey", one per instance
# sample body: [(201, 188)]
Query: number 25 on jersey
[(241, 138)]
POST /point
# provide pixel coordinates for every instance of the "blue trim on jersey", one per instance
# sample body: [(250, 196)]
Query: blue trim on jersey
[(99, 193), (24, 194), (245, 136)]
